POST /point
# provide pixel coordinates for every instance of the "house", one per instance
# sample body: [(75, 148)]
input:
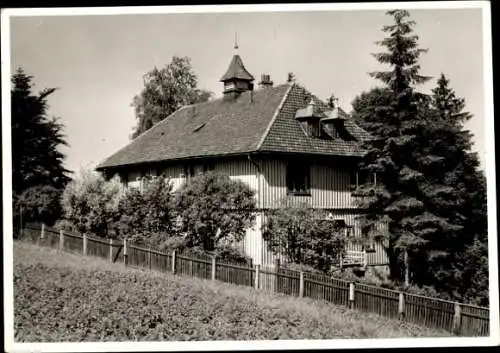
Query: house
[(281, 140)]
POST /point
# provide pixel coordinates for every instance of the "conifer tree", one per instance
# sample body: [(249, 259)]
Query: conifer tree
[(408, 194), (460, 171)]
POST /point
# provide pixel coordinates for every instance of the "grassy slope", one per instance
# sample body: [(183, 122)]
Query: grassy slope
[(65, 297)]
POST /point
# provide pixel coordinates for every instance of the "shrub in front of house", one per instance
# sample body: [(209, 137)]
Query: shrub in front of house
[(214, 210), (304, 236), (89, 202), (146, 217)]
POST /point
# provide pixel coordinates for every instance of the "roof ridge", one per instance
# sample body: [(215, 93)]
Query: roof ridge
[(276, 113)]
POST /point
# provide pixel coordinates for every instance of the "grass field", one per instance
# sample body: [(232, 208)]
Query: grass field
[(66, 297)]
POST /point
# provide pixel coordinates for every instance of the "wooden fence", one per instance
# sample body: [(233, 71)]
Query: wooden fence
[(460, 319)]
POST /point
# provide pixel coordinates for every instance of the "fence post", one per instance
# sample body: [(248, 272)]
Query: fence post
[(301, 284), (42, 233), (173, 262), (125, 262), (84, 244), (150, 258), (457, 318), (351, 295), (214, 264), (61, 240), (401, 306), (277, 265), (257, 275), (110, 250)]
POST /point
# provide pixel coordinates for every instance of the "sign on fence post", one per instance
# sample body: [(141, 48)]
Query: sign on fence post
[(351, 295), (110, 250), (257, 274), (214, 268), (61, 240), (84, 244), (125, 262), (401, 306), (457, 318), (173, 262), (301, 284)]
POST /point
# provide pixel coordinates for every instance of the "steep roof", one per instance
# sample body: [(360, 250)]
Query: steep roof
[(263, 120), (237, 70)]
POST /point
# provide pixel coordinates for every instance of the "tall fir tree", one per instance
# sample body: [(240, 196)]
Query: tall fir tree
[(37, 162), (36, 139), (460, 171), (408, 193)]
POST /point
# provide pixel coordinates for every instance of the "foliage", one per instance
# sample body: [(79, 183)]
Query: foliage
[(41, 203), (89, 202), (166, 90), (36, 139), (63, 297), (290, 77), (410, 193), (146, 217), (302, 235), (214, 210), (429, 189)]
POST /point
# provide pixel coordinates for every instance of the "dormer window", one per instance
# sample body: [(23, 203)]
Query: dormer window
[(309, 118)]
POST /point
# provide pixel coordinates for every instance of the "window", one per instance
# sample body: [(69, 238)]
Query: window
[(297, 179), (208, 167), (358, 178), (189, 171)]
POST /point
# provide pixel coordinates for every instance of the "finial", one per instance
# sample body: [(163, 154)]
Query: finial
[(236, 41)]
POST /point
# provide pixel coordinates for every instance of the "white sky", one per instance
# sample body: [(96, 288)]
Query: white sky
[(98, 61)]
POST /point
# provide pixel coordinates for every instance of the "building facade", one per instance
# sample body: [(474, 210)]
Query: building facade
[(280, 140)]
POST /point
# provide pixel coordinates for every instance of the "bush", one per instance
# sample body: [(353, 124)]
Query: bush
[(303, 235), (40, 204), (214, 209), (146, 217), (89, 203)]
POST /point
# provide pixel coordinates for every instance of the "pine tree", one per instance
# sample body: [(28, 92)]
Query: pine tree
[(36, 139), (460, 171), (408, 194)]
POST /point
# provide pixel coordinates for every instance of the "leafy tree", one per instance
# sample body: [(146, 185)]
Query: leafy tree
[(36, 139), (166, 90), (146, 217), (90, 201), (40, 203), (303, 236), (214, 210), (410, 193)]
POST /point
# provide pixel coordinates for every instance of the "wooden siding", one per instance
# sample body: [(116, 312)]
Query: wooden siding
[(329, 186), (330, 189)]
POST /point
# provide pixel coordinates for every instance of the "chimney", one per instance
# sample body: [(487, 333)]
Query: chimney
[(265, 81)]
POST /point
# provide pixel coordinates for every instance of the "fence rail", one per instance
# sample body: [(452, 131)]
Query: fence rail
[(461, 319)]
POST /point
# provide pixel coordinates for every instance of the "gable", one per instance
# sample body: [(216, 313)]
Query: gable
[(286, 135)]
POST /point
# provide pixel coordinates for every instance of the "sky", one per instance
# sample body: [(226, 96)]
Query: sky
[(98, 62)]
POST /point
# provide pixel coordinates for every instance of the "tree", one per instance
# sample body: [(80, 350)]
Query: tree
[(215, 210), (40, 203), (460, 171), (409, 194), (147, 216), (304, 236), (166, 90), (36, 139), (89, 203)]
